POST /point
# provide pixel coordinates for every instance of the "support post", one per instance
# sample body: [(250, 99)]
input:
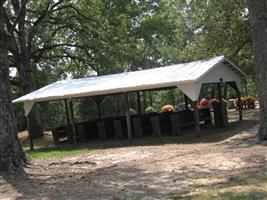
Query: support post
[(222, 114), (150, 98), (29, 132), (128, 117), (98, 100), (186, 102), (99, 111), (144, 100), (196, 114), (139, 103), (72, 122), (219, 90), (239, 106), (67, 111), (234, 86)]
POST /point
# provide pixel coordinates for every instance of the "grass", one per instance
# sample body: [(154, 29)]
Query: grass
[(44, 149), (53, 153)]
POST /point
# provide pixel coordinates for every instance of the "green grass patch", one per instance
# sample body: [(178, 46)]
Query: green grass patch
[(55, 152), (45, 149)]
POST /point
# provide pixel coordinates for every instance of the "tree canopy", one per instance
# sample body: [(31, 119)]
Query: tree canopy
[(53, 40), (76, 39)]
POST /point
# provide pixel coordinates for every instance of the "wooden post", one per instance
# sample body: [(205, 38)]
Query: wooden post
[(144, 100), (128, 117), (118, 129), (29, 132), (186, 102), (72, 121), (150, 98), (99, 111), (68, 127), (196, 114), (139, 103), (137, 126), (67, 111), (98, 100), (172, 96), (101, 130), (219, 90), (222, 114), (175, 124), (239, 106), (155, 126), (234, 86), (80, 132)]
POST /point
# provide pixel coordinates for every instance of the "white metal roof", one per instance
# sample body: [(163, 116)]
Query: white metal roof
[(185, 76)]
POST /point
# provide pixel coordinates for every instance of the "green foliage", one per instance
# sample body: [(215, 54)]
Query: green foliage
[(110, 36), (150, 109)]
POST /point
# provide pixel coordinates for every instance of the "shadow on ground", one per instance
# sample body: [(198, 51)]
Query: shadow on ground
[(132, 182), (208, 135), (189, 176)]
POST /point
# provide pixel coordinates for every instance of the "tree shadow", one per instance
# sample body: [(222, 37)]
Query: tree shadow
[(208, 135), (133, 181)]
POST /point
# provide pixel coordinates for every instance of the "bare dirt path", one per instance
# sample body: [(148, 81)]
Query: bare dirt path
[(218, 160)]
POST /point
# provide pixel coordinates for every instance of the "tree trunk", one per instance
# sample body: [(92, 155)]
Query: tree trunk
[(26, 81), (258, 22), (25, 73), (11, 154)]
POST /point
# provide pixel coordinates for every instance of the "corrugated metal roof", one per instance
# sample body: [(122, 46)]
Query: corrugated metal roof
[(125, 82)]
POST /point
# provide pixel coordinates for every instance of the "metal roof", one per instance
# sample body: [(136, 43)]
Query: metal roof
[(174, 75)]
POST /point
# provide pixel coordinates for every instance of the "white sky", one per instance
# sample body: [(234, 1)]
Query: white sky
[(12, 72)]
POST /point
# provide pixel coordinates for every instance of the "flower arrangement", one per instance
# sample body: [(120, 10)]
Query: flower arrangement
[(167, 108), (213, 101)]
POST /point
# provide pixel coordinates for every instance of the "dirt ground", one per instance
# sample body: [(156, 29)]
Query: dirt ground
[(218, 159)]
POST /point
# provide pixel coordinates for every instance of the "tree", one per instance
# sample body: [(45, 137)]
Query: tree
[(38, 36), (258, 21), (11, 154)]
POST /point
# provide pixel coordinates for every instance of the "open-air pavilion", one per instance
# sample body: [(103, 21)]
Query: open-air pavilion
[(188, 77)]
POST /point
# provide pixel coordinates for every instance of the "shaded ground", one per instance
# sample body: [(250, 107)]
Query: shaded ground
[(220, 165)]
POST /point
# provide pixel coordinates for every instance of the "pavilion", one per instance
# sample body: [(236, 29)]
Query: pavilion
[(188, 77)]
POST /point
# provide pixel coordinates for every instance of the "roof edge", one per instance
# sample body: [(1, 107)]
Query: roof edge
[(221, 61), (243, 73)]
